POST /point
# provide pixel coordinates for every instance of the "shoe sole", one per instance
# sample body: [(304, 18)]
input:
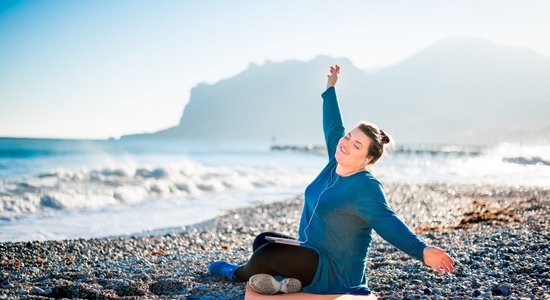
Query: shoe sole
[(290, 285), (265, 284)]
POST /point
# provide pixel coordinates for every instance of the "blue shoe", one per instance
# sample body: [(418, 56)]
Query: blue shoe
[(224, 269)]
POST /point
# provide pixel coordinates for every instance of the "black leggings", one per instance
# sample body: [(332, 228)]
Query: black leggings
[(279, 260)]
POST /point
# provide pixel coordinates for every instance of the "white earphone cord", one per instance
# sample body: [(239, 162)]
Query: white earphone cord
[(316, 204)]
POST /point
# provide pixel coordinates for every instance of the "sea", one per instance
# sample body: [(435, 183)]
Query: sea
[(53, 189)]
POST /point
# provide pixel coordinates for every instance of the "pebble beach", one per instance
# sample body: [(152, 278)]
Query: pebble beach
[(498, 236)]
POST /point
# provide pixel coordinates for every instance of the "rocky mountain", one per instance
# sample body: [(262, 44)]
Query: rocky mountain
[(459, 90)]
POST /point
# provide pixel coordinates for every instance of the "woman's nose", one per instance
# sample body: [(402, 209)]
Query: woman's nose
[(345, 145)]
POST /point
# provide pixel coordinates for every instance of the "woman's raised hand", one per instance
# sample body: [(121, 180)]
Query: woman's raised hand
[(438, 259), (333, 77)]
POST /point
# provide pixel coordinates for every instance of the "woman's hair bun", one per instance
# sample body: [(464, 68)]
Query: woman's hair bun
[(385, 138)]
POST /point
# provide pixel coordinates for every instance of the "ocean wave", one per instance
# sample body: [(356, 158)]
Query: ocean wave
[(520, 153), (62, 189), (533, 160)]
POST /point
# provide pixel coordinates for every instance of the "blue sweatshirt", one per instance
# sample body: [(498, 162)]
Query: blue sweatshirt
[(339, 215)]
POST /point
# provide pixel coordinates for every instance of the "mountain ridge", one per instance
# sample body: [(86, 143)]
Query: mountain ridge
[(458, 91)]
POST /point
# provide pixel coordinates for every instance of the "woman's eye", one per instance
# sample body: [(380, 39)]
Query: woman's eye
[(357, 147)]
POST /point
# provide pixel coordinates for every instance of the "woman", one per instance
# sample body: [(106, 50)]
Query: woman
[(342, 206)]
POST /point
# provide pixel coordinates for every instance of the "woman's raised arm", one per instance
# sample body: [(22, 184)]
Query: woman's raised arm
[(333, 126)]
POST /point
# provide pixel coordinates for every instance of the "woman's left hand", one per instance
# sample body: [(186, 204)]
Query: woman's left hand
[(438, 259)]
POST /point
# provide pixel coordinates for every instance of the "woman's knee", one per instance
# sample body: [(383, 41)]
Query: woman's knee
[(260, 239), (262, 235)]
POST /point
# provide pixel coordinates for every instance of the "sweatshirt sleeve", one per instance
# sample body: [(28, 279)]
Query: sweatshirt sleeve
[(333, 126), (375, 211)]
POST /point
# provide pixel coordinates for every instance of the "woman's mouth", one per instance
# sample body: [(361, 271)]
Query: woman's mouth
[(343, 150)]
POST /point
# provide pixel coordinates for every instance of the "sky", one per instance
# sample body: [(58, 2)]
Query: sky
[(100, 69)]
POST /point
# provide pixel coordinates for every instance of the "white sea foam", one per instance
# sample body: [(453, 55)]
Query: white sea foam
[(491, 166), (93, 188)]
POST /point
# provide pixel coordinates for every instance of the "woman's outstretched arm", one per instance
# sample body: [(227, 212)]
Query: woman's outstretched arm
[(333, 126), (376, 212)]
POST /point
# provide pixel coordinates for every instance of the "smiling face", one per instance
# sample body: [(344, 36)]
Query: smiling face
[(353, 148)]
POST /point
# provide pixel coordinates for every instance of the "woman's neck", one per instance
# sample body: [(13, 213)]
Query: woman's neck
[(345, 172)]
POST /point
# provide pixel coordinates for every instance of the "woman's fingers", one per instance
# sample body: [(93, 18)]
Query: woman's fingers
[(445, 265), (335, 70), (446, 261), (448, 266), (333, 77), (440, 269), (438, 259)]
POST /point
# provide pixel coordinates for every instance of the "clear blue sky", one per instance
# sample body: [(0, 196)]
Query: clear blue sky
[(96, 69)]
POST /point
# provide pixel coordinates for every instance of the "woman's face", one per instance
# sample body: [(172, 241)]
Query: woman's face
[(353, 148)]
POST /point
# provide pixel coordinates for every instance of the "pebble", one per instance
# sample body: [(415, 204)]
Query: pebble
[(37, 291), (6, 283), (175, 265), (501, 290), (409, 297)]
